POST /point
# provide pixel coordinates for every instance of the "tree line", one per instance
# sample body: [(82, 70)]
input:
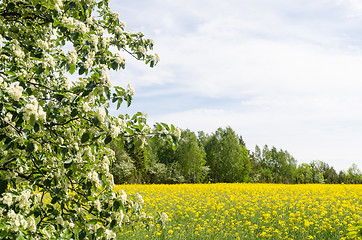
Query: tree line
[(218, 157)]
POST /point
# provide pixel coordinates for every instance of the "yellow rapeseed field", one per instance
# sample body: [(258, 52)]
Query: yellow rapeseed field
[(249, 211)]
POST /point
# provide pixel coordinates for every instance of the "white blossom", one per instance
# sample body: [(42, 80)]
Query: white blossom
[(114, 131), (24, 199), (123, 24), (101, 114), (1, 41), (106, 78), (43, 44), (177, 133), (48, 59), (105, 42), (31, 224), (94, 40), (89, 62), (60, 220), (118, 30), (105, 164), (119, 216), (81, 27), (97, 204), (68, 21), (41, 114), (15, 91), (130, 89), (119, 59), (31, 109), (141, 49), (72, 56), (139, 198), (123, 196), (164, 217), (115, 15), (93, 176), (109, 234), (100, 30), (18, 52), (7, 199)]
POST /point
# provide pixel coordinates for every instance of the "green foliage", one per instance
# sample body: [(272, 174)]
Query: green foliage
[(191, 158), (55, 129), (227, 159)]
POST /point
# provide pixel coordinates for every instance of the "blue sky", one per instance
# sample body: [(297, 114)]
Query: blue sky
[(283, 73)]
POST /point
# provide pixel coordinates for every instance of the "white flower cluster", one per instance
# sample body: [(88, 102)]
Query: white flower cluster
[(80, 26), (114, 131), (101, 114), (141, 49), (109, 234), (72, 57), (86, 107), (7, 199), (94, 41), (139, 198), (33, 108), (97, 204), (1, 41), (43, 44), (118, 58), (105, 42), (119, 217), (58, 5), (15, 91), (123, 24), (106, 78), (123, 197), (118, 30), (48, 59), (177, 133), (115, 15), (90, 58), (105, 164), (23, 199), (93, 176), (164, 217), (130, 89), (18, 222), (18, 52), (120, 122)]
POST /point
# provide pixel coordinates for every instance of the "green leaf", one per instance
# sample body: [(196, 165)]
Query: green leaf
[(74, 113), (81, 70), (11, 6), (72, 68), (30, 147), (68, 163), (82, 235), (3, 186), (129, 100), (114, 65), (36, 127), (116, 205), (108, 139), (75, 36), (95, 121), (85, 137)]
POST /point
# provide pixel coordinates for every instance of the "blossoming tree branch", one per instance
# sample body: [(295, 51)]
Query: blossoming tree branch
[(55, 132)]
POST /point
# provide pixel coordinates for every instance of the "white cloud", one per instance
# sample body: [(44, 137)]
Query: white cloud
[(288, 73)]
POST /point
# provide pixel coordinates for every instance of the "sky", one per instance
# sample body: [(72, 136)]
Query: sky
[(283, 73)]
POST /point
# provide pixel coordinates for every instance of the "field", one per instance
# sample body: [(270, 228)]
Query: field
[(249, 211)]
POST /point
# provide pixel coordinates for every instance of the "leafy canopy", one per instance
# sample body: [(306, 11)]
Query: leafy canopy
[(56, 129)]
